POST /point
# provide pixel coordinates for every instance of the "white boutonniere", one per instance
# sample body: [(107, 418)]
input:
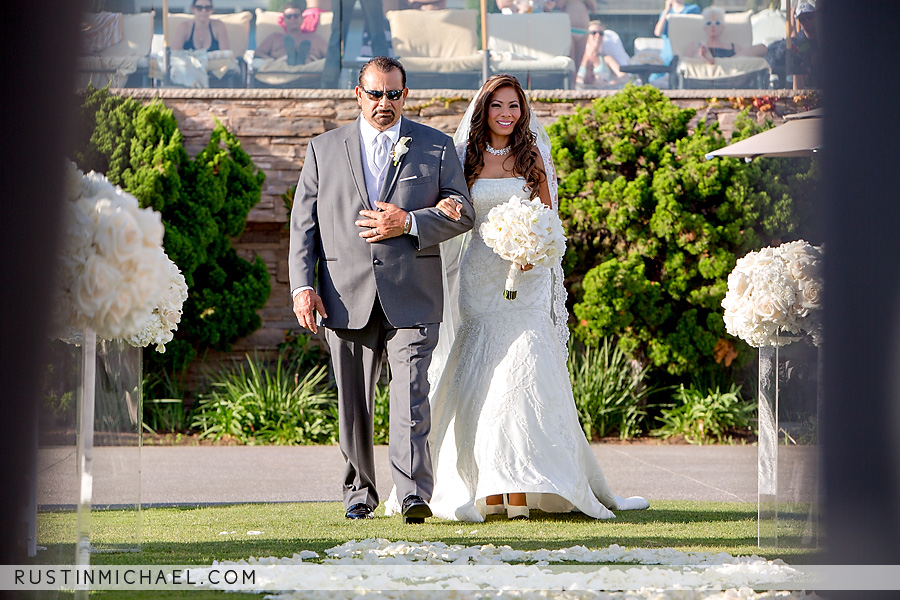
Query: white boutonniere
[(400, 148)]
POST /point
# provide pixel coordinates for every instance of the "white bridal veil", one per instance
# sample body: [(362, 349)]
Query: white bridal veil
[(452, 252)]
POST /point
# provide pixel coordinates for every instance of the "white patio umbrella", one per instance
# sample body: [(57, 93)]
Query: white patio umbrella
[(800, 135)]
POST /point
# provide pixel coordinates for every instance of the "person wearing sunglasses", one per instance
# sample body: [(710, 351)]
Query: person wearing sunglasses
[(365, 263), (604, 57), (714, 46), (203, 32), (298, 46)]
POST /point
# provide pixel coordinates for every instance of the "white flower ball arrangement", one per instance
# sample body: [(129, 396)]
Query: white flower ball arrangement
[(523, 232), (160, 327), (113, 272), (776, 290)]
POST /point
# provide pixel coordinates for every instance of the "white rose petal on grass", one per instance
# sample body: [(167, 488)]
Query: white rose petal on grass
[(735, 576), (254, 533)]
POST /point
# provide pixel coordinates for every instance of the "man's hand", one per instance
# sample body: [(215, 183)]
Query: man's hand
[(382, 224), (451, 207), (306, 304)]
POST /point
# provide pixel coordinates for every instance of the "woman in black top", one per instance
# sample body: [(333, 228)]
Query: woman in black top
[(713, 47), (202, 33)]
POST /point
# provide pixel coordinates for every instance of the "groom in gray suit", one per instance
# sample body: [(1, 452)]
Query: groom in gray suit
[(364, 255)]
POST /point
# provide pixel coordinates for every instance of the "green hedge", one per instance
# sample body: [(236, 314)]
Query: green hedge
[(204, 202), (655, 229)]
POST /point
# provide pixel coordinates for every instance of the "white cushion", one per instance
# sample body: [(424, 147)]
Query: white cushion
[(697, 68), (102, 70), (768, 26), (137, 36), (648, 43), (446, 34), (276, 71), (538, 35)]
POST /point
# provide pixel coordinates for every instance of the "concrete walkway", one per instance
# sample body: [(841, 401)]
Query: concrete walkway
[(188, 475)]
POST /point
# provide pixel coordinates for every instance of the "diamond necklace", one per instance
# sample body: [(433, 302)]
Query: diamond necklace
[(496, 152)]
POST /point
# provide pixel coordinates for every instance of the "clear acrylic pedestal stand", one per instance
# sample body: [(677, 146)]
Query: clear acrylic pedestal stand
[(89, 452), (788, 464)]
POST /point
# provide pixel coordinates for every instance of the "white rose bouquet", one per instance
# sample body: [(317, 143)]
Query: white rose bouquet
[(113, 271), (775, 290), (524, 232)]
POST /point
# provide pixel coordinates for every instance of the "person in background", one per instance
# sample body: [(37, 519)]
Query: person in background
[(374, 26), (604, 55), (805, 49), (299, 46), (203, 32), (579, 16), (661, 30), (713, 47)]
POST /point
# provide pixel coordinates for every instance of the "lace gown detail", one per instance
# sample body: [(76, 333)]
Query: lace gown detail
[(503, 418)]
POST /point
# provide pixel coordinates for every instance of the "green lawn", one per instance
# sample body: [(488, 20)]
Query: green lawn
[(193, 536)]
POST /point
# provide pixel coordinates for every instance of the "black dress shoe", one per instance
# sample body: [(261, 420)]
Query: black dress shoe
[(415, 510), (360, 511)]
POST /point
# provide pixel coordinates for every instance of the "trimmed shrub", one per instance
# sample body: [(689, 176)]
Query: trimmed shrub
[(654, 228), (204, 203)]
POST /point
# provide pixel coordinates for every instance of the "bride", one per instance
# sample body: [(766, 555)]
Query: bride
[(506, 434)]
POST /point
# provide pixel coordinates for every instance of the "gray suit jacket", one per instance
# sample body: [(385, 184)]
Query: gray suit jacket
[(326, 251)]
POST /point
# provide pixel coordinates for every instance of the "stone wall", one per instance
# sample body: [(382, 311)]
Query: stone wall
[(274, 127)]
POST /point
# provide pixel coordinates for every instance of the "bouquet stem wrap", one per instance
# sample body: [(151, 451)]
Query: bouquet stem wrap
[(509, 291)]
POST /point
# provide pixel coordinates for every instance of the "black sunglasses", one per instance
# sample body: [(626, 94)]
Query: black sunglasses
[(595, 33), (203, 6), (293, 15), (377, 94)]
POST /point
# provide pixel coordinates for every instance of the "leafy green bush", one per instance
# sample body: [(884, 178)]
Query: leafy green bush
[(263, 405), (165, 415), (300, 351), (609, 394), (654, 228), (381, 414), (706, 416), (204, 203)]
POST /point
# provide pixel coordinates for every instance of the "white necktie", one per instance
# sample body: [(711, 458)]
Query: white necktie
[(380, 152)]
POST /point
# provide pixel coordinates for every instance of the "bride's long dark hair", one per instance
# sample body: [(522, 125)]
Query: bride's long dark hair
[(524, 149)]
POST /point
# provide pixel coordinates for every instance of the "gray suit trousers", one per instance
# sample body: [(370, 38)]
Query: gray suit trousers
[(357, 358)]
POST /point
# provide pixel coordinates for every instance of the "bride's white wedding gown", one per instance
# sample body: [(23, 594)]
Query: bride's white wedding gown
[(503, 416)]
